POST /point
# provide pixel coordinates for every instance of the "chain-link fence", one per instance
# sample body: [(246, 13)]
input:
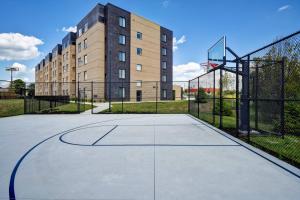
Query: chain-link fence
[(140, 97), (258, 100), (98, 97)]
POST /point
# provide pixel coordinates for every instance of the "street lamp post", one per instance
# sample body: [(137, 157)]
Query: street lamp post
[(11, 69)]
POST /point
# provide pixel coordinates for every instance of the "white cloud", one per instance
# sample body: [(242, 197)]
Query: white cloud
[(188, 71), (70, 29), (166, 3), (25, 73), (15, 46), (176, 42), (282, 8)]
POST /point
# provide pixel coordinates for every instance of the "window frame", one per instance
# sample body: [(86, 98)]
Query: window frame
[(164, 79), (122, 39), (79, 47), (86, 27), (121, 53), (122, 73), (164, 51), (164, 64), (122, 21), (85, 43), (136, 67), (122, 92), (141, 35), (85, 61), (164, 93), (139, 83), (85, 75), (164, 37), (137, 51)]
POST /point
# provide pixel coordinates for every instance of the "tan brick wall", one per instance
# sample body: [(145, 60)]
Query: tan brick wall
[(178, 92), (95, 52), (69, 71), (150, 58), (56, 75)]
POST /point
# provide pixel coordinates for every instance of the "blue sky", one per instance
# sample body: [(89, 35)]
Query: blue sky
[(196, 24)]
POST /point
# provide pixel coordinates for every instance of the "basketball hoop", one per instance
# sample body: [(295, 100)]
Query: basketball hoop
[(209, 65)]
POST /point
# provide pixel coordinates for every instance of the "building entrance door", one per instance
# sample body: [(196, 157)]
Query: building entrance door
[(139, 95)]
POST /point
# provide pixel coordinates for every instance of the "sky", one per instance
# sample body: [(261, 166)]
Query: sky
[(30, 29)]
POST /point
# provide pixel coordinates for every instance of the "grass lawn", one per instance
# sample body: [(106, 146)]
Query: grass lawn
[(171, 107), (286, 149), (11, 107), (68, 108)]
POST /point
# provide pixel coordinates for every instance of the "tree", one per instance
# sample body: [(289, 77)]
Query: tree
[(18, 86), (31, 89), (269, 83)]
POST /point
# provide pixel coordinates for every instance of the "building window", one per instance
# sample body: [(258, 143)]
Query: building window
[(122, 92), (86, 26), (122, 39), (79, 61), (122, 73), (139, 35), (85, 75), (85, 43), (138, 67), (121, 56), (122, 22), (80, 32), (79, 47), (63, 57), (164, 51), (67, 55), (85, 59), (67, 67), (164, 38), (164, 78), (139, 51), (164, 93), (139, 83), (164, 65)]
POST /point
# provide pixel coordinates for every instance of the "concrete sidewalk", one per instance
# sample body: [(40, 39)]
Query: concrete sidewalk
[(98, 108)]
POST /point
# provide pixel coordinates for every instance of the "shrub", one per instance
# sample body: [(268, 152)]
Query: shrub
[(202, 97), (227, 111)]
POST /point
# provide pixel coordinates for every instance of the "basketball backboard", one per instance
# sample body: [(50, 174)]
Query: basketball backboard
[(217, 54)]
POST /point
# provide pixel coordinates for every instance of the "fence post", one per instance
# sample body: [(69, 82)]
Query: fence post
[(282, 121), (156, 97), (248, 98), (198, 99), (256, 96), (78, 96), (25, 110), (237, 97), (122, 98), (92, 97), (221, 99), (110, 82), (189, 100), (214, 99)]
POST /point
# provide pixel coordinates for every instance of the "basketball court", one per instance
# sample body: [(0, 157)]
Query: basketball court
[(134, 157)]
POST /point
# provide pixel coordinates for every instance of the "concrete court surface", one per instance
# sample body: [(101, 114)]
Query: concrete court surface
[(128, 157)]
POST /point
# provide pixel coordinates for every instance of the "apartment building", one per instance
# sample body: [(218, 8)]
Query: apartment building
[(125, 56), (69, 65)]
